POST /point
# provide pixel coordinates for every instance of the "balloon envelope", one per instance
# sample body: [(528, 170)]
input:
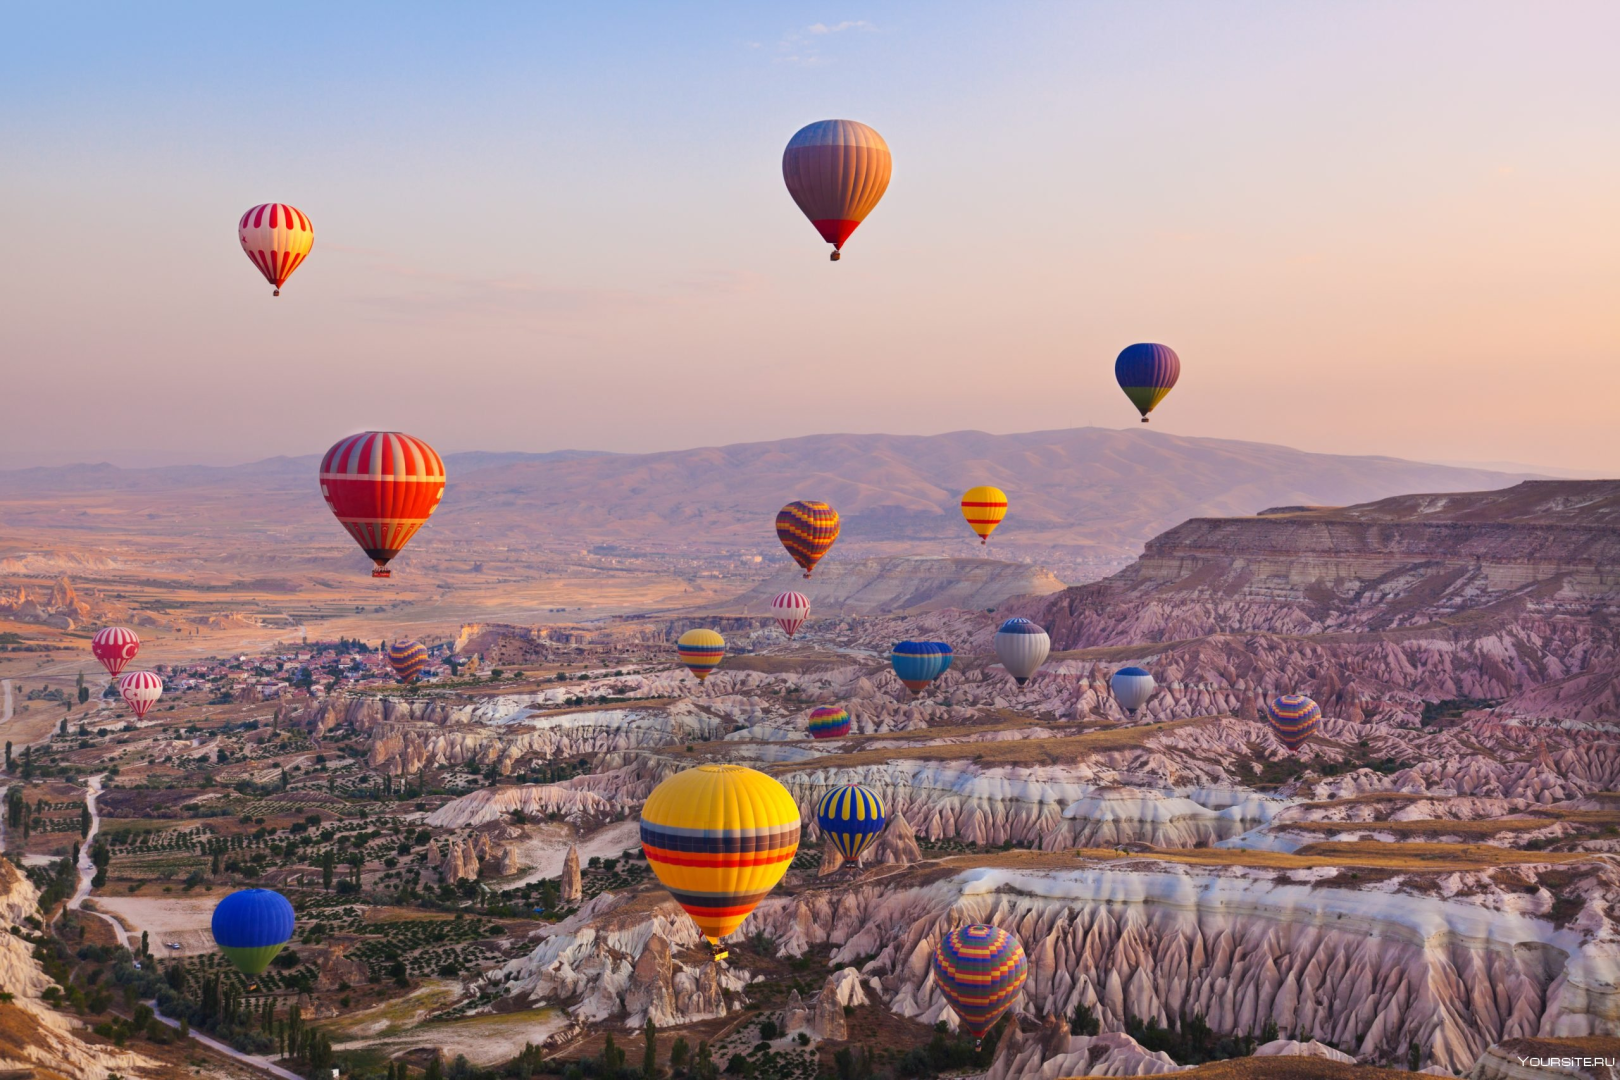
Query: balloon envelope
[(790, 610), (1132, 687), (836, 170), (701, 651), (719, 837), (1022, 647), (1293, 717), (979, 969), (140, 690), (1146, 373), (115, 646), (276, 239), (407, 658), (250, 927), (918, 663), (807, 529), (984, 507), (828, 722), (851, 817), (382, 486)]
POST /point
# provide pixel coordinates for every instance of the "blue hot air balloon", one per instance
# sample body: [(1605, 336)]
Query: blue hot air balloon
[(1132, 687), (919, 663), (1146, 373), (851, 817), (250, 926)]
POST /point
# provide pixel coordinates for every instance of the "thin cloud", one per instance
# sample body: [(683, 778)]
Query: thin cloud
[(802, 46), (838, 28)]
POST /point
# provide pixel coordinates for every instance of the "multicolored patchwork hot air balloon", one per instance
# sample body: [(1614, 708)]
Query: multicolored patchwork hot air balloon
[(115, 646), (851, 817), (919, 663), (1132, 687), (407, 658), (836, 170), (276, 238), (828, 722), (701, 651), (1146, 373), (984, 507), (140, 691), (807, 530), (790, 610), (251, 926), (382, 486), (719, 837), (1293, 717), (980, 970), (1022, 647)]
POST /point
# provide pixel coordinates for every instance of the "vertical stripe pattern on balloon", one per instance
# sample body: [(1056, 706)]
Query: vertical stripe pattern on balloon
[(836, 171), (790, 610), (382, 486), (1147, 372), (276, 239), (140, 691), (851, 817), (115, 646)]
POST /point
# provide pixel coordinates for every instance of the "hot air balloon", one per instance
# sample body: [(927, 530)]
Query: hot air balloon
[(276, 238), (984, 507), (807, 530), (1146, 373), (115, 646), (979, 969), (1132, 687), (719, 837), (836, 170), (250, 926), (851, 817), (828, 722), (407, 658), (701, 651), (1293, 717), (383, 486), (919, 663), (140, 691), (791, 609), (1022, 646)]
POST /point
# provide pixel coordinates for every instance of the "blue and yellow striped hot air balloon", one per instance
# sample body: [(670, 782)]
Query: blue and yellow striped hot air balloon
[(807, 529), (251, 926), (979, 969), (701, 651), (851, 817), (1293, 717), (828, 722), (1146, 373), (407, 658), (918, 663), (719, 837)]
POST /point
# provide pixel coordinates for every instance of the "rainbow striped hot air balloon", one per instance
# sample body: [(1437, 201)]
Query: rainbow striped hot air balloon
[(1146, 373), (828, 722), (719, 837), (984, 507), (1293, 717), (851, 817), (918, 663), (979, 969), (701, 651), (407, 658), (836, 170), (250, 927), (790, 610), (807, 529)]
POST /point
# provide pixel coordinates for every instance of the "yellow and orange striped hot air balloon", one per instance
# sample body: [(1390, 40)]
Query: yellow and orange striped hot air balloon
[(276, 238), (836, 170), (984, 507)]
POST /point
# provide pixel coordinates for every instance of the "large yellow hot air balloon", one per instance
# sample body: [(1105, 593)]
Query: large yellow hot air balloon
[(984, 507), (719, 837)]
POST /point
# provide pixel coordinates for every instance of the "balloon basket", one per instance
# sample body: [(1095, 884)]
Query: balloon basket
[(835, 256), (276, 293), (1144, 419), (380, 572)]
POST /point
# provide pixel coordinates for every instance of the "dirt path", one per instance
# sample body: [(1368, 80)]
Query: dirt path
[(230, 1051)]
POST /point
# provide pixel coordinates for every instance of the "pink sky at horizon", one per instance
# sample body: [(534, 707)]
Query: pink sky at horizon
[(1380, 229)]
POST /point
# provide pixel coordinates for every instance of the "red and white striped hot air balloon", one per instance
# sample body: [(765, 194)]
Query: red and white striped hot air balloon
[(836, 170), (140, 691), (383, 486), (790, 609), (276, 238), (115, 646)]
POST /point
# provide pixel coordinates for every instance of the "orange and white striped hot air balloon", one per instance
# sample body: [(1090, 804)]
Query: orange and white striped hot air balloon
[(836, 170), (276, 238)]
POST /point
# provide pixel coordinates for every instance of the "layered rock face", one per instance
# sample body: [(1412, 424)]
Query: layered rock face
[(904, 585)]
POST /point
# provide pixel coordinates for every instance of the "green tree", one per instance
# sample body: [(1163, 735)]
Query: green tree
[(84, 691), (1414, 1055), (435, 1069), (1084, 1022), (678, 1053), (84, 820), (649, 1054), (328, 862)]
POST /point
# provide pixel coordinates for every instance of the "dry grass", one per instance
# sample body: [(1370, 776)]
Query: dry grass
[(1425, 827), (1439, 858), (1290, 1068)]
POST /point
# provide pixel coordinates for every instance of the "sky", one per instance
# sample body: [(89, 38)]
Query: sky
[(1369, 228)]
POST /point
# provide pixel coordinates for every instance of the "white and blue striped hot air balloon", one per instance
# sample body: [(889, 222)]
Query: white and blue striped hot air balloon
[(1132, 686), (1022, 647)]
